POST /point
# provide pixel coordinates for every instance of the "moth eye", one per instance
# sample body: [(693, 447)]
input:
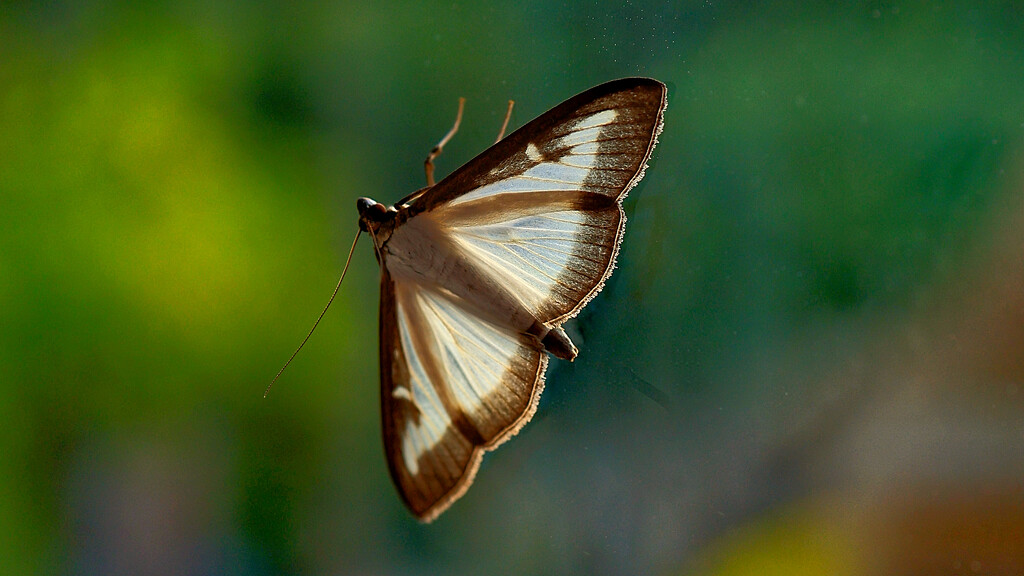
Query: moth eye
[(371, 211), (364, 204)]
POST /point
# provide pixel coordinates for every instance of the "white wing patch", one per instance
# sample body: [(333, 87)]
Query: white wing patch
[(558, 175), (580, 137), (476, 355), (569, 173), (476, 362), (601, 118), (528, 255), (533, 153), (520, 183), (419, 437)]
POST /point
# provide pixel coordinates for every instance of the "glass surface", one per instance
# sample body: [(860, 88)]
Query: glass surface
[(810, 359)]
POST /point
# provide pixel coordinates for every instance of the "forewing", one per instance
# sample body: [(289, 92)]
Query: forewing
[(452, 387), (542, 209)]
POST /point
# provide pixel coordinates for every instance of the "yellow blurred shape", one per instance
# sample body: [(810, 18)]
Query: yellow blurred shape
[(799, 541)]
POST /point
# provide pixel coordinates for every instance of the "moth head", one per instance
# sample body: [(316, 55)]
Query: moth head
[(372, 214)]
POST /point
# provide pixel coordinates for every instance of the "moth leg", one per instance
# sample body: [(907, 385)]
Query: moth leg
[(504, 125), (428, 164)]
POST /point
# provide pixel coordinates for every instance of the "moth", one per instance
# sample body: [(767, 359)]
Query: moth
[(480, 271)]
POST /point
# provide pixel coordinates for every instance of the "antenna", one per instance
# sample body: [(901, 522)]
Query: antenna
[(319, 318)]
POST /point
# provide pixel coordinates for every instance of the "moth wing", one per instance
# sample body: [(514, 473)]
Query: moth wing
[(541, 210), (453, 386)]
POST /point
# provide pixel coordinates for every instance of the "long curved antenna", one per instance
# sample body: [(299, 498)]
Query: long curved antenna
[(319, 318)]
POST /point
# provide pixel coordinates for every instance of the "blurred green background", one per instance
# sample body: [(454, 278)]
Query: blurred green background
[(809, 361)]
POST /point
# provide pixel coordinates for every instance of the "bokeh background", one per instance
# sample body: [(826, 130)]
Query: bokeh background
[(809, 361)]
